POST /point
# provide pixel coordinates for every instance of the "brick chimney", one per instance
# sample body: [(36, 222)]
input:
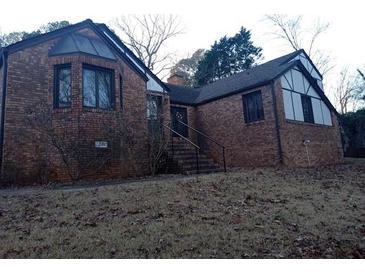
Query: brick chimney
[(176, 79)]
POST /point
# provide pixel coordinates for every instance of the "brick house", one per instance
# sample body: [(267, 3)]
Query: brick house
[(76, 102), (275, 113)]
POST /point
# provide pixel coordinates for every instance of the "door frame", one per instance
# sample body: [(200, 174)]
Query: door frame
[(183, 110)]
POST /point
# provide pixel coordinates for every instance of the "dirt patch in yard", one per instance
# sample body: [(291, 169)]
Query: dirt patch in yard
[(257, 213)]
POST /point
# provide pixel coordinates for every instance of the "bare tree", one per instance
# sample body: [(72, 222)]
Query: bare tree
[(147, 36), (346, 91), (360, 84), (291, 31)]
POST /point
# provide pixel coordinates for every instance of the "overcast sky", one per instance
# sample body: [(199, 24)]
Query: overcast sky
[(206, 21)]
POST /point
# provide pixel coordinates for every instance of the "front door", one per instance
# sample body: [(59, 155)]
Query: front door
[(179, 114)]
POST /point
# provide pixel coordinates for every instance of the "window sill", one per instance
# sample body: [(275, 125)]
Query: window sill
[(307, 124), (98, 110), (255, 122)]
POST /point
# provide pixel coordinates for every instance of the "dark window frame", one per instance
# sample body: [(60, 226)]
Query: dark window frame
[(260, 115), (308, 114), (112, 86), (56, 86), (121, 91)]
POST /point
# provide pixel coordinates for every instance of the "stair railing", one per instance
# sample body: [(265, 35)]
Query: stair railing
[(210, 139), (197, 148)]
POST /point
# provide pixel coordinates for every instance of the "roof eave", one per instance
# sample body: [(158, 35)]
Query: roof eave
[(47, 36), (257, 85), (177, 102), (135, 57), (309, 59), (120, 54), (311, 80)]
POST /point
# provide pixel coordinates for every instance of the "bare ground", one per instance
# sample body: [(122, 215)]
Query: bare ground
[(256, 213)]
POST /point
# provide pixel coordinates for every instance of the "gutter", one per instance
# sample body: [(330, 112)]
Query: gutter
[(277, 126), (2, 121)]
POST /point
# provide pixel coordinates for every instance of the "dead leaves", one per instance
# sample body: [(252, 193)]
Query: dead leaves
[(270, 213)]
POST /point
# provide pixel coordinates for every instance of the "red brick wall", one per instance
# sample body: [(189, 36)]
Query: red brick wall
[(30, 80), (325, 141), (253, 144), (256, 144)]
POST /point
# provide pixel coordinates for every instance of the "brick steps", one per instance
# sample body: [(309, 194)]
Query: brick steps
[(184, 157)]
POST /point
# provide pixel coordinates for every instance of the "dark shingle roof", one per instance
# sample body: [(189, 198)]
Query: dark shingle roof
[(183, 95), (251, 78)]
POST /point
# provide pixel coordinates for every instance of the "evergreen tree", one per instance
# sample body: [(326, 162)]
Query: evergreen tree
[(16, 36), (226, 57)]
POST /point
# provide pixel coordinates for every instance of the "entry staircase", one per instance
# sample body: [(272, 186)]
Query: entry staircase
[(188, 157)]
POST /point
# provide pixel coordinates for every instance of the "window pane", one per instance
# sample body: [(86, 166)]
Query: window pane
[(153, 107), (307, 109), (89, 88), (253, 107), (64, 87), (104, 87)]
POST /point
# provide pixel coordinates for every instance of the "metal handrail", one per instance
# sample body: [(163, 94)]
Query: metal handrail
[(197, 148), (211, 139), (186, 139), (201, 133)]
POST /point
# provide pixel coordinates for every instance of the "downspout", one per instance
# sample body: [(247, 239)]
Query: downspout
[(277, 126), (2, 121)]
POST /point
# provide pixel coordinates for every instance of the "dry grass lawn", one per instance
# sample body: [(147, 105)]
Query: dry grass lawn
[(256, 213)]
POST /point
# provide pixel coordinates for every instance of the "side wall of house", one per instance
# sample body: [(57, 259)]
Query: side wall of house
[(325, 145), (253, 144), (30, 83)]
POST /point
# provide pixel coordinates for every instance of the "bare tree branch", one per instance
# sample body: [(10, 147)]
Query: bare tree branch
[(361, 74), (291, 31), (346, 91), (147, 36)]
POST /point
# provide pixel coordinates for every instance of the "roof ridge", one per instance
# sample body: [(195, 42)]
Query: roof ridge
[(255, 67), (184, 87)]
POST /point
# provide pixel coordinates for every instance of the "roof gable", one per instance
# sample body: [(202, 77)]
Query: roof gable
[(71, 29), (300, 55)]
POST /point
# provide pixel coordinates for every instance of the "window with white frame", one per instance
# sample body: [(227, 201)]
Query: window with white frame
[(301, 101)]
